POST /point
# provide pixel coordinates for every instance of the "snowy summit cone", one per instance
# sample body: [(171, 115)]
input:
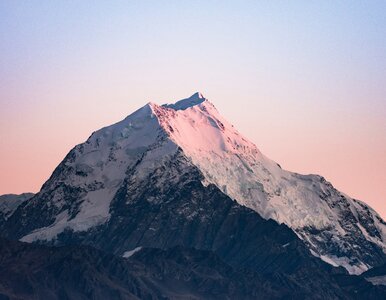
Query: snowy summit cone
[(160, 147)]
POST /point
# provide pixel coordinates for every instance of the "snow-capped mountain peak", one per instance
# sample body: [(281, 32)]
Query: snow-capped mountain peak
[(334, 226), (338, 229)]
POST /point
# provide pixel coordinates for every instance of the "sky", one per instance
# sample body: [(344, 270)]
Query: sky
[(304, 80)]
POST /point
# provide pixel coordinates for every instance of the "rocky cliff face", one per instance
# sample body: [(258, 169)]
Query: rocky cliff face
[(9, 203)]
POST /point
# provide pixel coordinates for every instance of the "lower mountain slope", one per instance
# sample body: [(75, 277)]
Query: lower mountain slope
[(30, 271), (40, 272)]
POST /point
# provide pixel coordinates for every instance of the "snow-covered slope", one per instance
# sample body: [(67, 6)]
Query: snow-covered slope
[(335, 227), (93, 171), (340, 230)]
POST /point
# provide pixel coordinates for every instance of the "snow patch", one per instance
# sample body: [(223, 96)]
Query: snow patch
[(130, 253), (346, 263), (378, 280), (49, 232)]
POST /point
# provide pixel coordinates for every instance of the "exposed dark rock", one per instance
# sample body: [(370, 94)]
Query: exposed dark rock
[(30, 271)]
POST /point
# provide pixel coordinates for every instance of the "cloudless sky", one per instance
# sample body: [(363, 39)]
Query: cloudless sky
[(304, 80)]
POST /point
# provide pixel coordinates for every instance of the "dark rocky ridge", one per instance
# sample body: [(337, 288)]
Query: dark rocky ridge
[(39, 272), (30, 271), (9, 203)]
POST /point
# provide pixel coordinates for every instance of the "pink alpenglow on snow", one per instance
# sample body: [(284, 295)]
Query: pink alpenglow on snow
[(308, 204)]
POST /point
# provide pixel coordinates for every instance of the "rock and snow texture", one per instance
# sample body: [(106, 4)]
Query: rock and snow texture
[(340, 230), (93, 171), (10, 202)]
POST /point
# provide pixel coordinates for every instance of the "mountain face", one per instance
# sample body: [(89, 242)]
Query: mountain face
[(9, 203), (180, 174), (30, 271), (86, 273)]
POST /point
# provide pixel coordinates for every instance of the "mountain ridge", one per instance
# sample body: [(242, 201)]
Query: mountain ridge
[(30, 271)]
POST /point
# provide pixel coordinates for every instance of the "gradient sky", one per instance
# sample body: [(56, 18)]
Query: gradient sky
[(304, 80)]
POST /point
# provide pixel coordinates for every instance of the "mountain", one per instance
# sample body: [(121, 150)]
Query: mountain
[(180, 174), (30, 271), (10, 202)]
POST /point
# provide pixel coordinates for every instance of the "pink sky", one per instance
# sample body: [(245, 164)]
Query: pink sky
[(305, 82)]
